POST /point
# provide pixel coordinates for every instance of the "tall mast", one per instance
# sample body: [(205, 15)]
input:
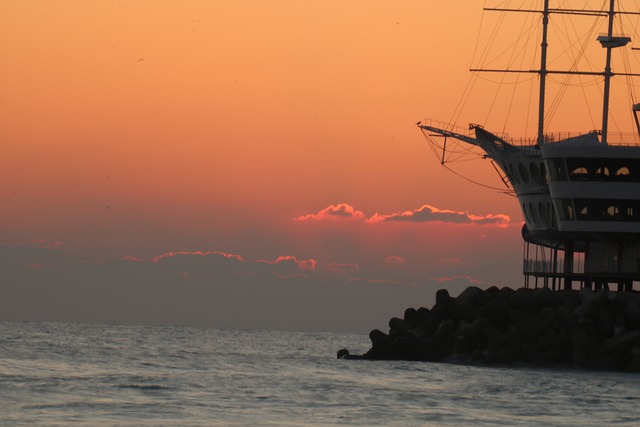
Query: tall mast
[(543, 72), (607, 77), (608, 41)]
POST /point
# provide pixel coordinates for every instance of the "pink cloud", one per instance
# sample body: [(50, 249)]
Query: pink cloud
[(304, 264), (394, 260), (427, 213), (340, 211), (199, 253), (337, 266)]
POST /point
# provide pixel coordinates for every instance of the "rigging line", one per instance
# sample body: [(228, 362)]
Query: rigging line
[(484, 77), (434, 146), (577, 57), (465, 152), (513, 93), (532, 85), (475, 48), (629, 83), (513, 46), (492, 37), (457, 112), (472, 81), (476, 182), (468, 150)]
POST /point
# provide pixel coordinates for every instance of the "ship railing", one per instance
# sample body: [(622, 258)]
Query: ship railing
[(544, 267), (448, 127), (613, 138), (623, 138)]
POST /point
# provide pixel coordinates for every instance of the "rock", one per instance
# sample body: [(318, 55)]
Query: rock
[(595, 330), (468, 297), (397, 326), (498, 312), (442, 297), (410, 314), (343, 353), (622, 343), (591, 303)]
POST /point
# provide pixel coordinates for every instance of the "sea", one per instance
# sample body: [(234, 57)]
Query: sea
[(57, 374)]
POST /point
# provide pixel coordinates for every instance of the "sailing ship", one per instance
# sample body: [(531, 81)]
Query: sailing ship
[(579, 195)]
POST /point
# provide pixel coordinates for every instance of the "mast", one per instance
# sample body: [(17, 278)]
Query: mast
[(607, 78), (608, 41), (543, 72)]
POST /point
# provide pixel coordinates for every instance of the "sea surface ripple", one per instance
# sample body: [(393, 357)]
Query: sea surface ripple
[(54, 374)]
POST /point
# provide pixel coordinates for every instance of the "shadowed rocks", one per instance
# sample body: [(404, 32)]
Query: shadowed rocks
[(589, 329)]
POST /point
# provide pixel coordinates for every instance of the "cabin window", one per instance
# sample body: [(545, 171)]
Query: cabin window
[(579, 173), (565, 209), (583, 213), (601, 210), (623, 173)]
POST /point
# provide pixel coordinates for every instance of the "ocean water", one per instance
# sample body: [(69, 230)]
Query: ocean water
[(54, 374)]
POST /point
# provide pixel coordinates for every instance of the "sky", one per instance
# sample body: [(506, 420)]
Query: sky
[(245, 164)]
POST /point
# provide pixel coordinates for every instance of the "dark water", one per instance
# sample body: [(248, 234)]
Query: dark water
[(62, 374)]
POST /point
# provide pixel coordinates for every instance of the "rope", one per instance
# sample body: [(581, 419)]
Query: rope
[(433, 146)]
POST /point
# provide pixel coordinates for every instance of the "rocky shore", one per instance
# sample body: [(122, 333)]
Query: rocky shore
[(584, 328)]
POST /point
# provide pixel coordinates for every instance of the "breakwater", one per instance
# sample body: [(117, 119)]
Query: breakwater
[(589, 329)]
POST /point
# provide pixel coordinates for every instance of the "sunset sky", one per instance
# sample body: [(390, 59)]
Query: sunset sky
[(249, 164)]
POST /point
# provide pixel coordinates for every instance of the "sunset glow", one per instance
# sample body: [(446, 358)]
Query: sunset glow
[(221, 152)]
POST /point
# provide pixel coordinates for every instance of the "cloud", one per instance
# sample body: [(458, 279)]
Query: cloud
[(428, 213), (339, 211), (304, 264), (462, 278), (183, 253), (425, 213), (394, 260), (337, 266)]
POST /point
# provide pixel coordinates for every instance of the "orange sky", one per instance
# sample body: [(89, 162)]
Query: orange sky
[(138, 128)]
